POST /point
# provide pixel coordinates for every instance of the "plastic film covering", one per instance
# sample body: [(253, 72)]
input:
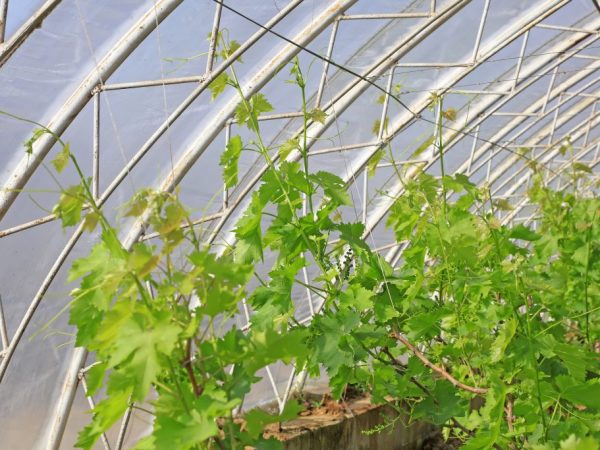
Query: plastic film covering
[(125, 82)]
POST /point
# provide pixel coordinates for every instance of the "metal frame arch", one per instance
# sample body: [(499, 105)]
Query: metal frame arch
[(565, 166), (579, 107), (459, 133), (531, 110), (261, 77), (191, 158), (7, 48), (429, 155), (62, 119), (505, 36), (80, 97), (552, 150), (346, 96), (102, 199), (477, 120), (257, 81), (204, 82), (57, 428), (395, 252)]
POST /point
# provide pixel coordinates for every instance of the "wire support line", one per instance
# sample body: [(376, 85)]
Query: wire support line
[(408, 121), (497, 80), (343, 68), (428, 66)]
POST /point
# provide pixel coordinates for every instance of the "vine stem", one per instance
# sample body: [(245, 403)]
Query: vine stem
[(219, 443), (509, 414), (190, 370), (265, 153), (302, 84), (439, 370), (585, 281)]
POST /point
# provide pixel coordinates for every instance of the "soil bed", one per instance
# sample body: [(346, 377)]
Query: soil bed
[(350, 425)]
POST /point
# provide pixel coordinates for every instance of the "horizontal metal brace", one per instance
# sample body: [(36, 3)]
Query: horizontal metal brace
[(538, 145), (185, 225), (476, 92), (434, 65), (404, 162), (571, 29), (513, 114), (343, 148), (580, 94), (595, 58), (152, 83), (415, 15), (264, 117)]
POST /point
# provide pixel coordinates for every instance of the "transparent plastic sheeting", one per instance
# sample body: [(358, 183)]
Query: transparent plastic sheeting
[(124, 81)]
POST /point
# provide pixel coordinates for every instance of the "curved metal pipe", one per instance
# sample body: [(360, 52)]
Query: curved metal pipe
[(348, 95), (526, 70), (256, 82), (184, 164), (9, 47), (80, 97), (524, 202)]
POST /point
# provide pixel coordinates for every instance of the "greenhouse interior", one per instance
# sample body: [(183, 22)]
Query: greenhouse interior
[(300, 224)]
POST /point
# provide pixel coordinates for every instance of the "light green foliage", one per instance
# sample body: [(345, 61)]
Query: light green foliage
[(70, 204), (62, 158), (486, 329), (229, 160), (317, 115), (248, 111), (508, 309), (218, 85)]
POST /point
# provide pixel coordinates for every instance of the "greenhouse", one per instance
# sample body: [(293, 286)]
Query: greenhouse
[(223, 220)]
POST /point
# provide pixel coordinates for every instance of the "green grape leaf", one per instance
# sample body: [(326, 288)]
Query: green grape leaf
[(257, 419), (248, 231), (523, 233), (580, 393), (502, 204), (91, 221), (138, 203), (424, 146), (581, 167), (575, 359), (229, 160), (288, 147), (449, 114), (248, 112), (140, 343), (95, 377), (505, 335), (62, 158), (333, 186), (317, 115), (356, 297), (37, 133), (229, 49), (106, 413), (377, 126), (218, 85), (69, 206), (183, 432), (579, 443), (374, 161)]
